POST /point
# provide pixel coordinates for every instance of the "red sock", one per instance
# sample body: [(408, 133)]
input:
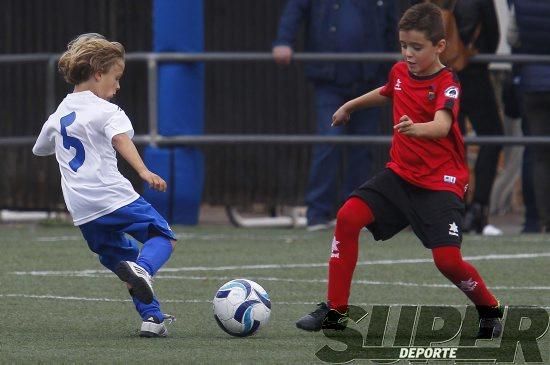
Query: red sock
[(351, 218), (448, 260)]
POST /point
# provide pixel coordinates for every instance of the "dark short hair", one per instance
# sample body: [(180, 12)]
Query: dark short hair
[(424, 17)]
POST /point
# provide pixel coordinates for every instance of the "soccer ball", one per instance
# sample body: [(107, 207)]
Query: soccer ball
[(241, 307)]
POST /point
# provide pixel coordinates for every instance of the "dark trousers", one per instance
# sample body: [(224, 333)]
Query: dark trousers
[(330, 180), (531, 223), (535, 106), (478, 103)]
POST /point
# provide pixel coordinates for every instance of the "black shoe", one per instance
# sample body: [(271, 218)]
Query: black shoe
[(476, 217), (139, 280), (490, 325), (323, 318)]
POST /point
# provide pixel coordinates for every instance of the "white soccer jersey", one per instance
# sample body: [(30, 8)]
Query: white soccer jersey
[(80, 133)]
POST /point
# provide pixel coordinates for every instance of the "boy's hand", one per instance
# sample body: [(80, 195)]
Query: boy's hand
[(282, 54), (341, 116), (406, 126), (155, 182)]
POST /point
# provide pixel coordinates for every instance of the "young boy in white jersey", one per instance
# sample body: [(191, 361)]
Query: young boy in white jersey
[(84, 133)]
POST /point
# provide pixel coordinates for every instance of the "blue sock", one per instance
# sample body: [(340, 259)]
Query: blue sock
[(155, 252), (148, 310)]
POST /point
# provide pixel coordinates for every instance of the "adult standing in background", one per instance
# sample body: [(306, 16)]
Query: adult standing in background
[(478, 25), (533, 23), (338, 26), (511, 98)]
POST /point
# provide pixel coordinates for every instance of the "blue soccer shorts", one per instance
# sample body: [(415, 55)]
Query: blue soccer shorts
[(107, 235)]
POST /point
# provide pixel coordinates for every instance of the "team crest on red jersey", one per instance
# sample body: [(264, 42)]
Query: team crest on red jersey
[(451, 92)]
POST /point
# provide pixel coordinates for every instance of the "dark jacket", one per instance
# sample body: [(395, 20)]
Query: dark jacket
[(470, 13), (341, 26), (533, 21)]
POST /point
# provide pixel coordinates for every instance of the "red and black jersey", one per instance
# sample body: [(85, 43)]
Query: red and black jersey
[(435, 164)]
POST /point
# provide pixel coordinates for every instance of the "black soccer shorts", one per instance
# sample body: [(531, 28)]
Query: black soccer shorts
[(435, 216)]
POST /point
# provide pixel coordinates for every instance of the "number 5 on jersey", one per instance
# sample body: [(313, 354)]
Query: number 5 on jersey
[(69, 142)]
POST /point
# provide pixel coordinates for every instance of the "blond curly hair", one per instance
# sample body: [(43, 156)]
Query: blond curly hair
[(87, 54)]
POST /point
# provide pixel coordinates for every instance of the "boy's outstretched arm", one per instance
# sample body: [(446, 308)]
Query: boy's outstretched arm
[(44, 145), (124, 145), (370, 99), (437, 128)]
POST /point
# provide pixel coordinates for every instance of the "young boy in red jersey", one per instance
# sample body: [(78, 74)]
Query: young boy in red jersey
[(424, 183)]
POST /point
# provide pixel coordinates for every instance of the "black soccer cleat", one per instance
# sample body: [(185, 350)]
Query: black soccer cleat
[(490, 324), (140, 281), (323, 318)]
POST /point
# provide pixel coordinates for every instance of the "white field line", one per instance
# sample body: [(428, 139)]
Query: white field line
[(208, 301), (290, 280), (59, 239), (288, 266), (194, 237), (364, 282), (185, 236)]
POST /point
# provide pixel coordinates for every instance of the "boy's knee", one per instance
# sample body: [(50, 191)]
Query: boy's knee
[(130, 252), (348, 219), (109, 262), (354, 214)]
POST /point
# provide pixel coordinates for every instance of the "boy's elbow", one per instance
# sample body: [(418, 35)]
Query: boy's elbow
[(117, 140), (442, 133), (37, 151), (434, 134)]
